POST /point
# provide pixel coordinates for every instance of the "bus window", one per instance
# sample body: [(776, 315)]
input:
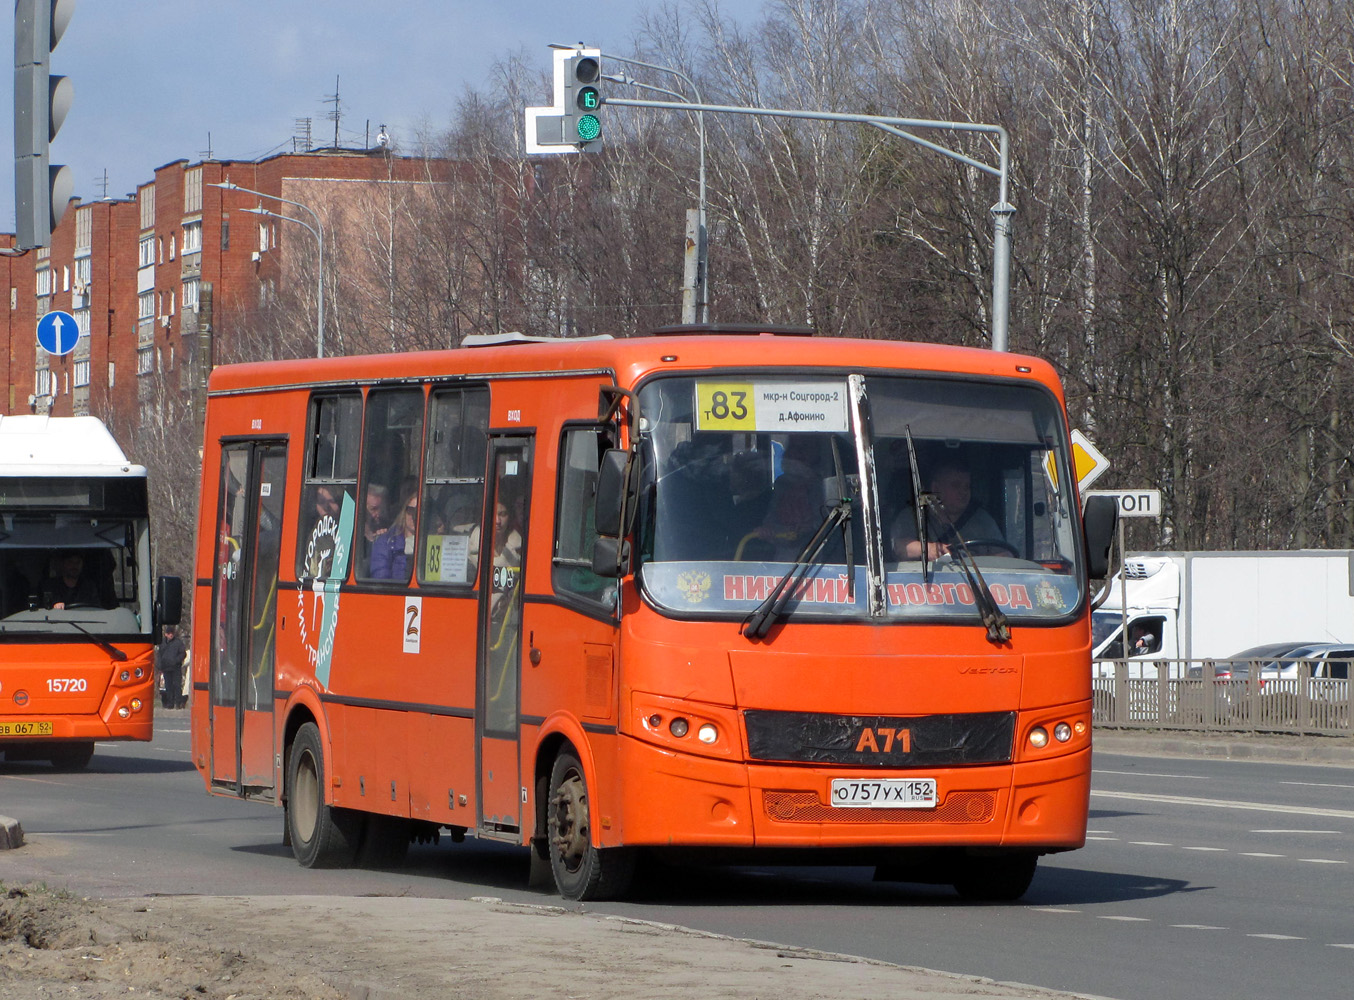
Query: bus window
[(453, 484), (330, 480), (575, 505), (391, 449)]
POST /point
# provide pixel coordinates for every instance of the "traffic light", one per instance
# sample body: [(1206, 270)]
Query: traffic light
[(583, 101), (41, 190)]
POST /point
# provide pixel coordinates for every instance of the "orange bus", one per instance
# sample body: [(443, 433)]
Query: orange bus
[(78, 618), (699, 591)]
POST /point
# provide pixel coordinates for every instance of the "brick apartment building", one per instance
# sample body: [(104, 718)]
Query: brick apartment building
[(160, 282)]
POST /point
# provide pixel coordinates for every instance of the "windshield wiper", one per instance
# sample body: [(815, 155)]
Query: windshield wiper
[(994, 619), (919, 502), (847, 544), (99, 641), (760, 621)]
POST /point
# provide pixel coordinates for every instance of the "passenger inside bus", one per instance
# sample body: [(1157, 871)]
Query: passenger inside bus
[(392, 551)]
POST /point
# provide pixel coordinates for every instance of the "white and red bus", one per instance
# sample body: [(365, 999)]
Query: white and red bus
[(595, 597), (78, 614)]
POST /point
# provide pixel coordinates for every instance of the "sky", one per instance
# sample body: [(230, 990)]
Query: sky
[(161, 80)]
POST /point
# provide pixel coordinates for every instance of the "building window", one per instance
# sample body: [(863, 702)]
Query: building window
[(145, 305), (192, 191), (83, 270), (42, 385), (81, 373), (192, 237), (171, 248), (82, 321), (190, 294), (146, 197), (111, 368), (146, 254), (44, 278), (145, 360), (84, 230), (265, 244), (65, 279), (225, 235)]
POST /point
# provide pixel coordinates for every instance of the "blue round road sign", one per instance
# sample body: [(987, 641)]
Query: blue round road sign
[(57, 332)]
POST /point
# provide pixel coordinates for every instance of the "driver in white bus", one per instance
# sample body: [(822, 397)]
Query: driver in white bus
[(71, 586)]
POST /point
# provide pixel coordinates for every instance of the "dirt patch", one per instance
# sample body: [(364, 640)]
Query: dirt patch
[(56, 945)]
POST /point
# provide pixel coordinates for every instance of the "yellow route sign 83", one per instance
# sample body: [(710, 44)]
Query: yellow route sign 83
[(772, 406)]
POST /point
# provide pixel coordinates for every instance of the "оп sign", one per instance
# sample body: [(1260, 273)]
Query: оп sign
[(1134, 503)]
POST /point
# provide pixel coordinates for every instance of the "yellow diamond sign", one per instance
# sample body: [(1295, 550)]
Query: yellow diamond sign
[(1087, 459)]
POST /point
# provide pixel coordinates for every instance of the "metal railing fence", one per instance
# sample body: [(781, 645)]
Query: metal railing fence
[(1188, 694)]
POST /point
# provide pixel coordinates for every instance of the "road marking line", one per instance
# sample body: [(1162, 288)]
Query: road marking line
[(1051, 909), (1149, 843), (1223, 849), (1151, 774), (1102, 838), (1340, 946), (1295, 831), (1135, 920), (1261, 854), (1315, 784), (1199, 927), (1323, 861), (1277, 937), (1183, 800)]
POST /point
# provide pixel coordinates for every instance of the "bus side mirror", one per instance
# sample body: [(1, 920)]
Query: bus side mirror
[(615, 493), (611, 557), (1099, 521), (168, 600)]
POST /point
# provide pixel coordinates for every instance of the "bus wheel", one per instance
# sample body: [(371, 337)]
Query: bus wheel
[(72, 756), (322, 836), (581, 870), (1001, 878)]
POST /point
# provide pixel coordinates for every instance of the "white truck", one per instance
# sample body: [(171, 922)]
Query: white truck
[(1192, 606)]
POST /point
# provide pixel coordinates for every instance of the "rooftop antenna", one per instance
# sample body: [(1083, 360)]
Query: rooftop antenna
[(103, 182), (301, 136), (334, 115), (206, 154)]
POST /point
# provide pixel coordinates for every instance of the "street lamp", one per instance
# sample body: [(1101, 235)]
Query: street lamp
[(702, 249), (699, 311), (316, 230)]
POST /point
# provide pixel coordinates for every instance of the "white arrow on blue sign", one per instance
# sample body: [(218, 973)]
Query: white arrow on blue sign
[(58, 332)]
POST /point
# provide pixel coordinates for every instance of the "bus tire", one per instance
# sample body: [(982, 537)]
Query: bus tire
[(581, 870), (72, 756), (322, 836), (1000, 878)]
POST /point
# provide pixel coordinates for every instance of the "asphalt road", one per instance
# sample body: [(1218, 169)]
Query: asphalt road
[(1204, 878)]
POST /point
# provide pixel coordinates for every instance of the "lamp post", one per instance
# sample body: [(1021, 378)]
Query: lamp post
[(698, 311), (316, 230), (702, 248)]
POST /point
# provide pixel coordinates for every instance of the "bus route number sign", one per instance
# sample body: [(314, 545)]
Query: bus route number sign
[(771, 406)]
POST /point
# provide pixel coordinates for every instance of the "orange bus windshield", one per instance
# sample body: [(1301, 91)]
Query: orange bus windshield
[(742, 472)]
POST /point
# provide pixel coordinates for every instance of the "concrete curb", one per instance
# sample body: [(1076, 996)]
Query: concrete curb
[(11, 833), (1270, 748)]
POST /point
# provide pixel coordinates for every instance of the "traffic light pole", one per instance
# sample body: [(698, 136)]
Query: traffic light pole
[(1001, 211)]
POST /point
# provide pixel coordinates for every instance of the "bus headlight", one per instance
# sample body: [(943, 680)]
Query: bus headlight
[(1062, 732), (124, 712), (126, 675), (679, 727), (1038, 737), (707, 733)]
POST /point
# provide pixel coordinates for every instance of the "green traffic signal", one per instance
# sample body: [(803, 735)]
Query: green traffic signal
[(589, 128)]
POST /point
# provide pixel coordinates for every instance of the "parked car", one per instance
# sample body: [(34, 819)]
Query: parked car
[(1329, 660), (1237, 667)]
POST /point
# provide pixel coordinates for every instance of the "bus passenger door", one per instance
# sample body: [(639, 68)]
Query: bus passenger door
[(244, 616), (499, 661)]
